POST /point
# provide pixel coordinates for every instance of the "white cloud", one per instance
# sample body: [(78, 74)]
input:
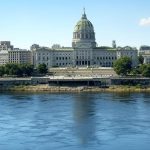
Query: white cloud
[(145, 22)]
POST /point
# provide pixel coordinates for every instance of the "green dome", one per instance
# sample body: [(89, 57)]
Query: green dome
[(84, 25), (83, 33)]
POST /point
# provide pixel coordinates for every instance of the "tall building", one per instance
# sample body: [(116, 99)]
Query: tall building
[(84, 50)]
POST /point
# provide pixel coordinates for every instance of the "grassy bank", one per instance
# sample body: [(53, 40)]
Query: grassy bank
[(57, 89)]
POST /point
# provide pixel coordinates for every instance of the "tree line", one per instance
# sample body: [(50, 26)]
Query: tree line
[(123, 66), (21, 70)]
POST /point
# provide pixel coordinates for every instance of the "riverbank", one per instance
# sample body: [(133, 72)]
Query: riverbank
[(67, 89), (75, 84)]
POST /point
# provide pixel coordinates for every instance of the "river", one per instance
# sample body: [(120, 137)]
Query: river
[(84, 121)]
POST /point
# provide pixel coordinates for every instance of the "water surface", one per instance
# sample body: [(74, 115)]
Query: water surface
[(83, 121)]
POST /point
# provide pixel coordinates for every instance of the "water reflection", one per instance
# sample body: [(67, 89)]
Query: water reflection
[(75, 121), (146, 97), (123, 97), (84, 117)]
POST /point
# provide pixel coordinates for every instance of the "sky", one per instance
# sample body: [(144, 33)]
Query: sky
[(48, 22)]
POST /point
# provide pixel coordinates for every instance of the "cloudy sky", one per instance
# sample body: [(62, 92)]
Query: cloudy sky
[(47, 22)]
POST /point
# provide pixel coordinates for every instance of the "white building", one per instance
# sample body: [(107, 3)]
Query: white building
[(9, 54), (4, 47), (19, 56), (3, 57), (84, 50), (145, 52)]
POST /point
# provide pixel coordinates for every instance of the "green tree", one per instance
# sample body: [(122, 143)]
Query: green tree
[(145, 70), (30, 69), (7, 68), (2, 71), (26, 69), (123, 65), (19, 69), (11, 69), (141, 59), (135, 71), (42, 68), (142, 68)]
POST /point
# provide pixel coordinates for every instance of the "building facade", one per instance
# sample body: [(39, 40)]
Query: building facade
[(19, 56), (9, 54), (84, 51), (3, 57), (5, 46), (145, 52)]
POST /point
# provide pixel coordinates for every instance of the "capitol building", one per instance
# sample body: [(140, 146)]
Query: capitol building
[(84, 51)]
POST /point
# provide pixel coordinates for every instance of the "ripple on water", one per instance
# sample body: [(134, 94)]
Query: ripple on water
[(75, 121)]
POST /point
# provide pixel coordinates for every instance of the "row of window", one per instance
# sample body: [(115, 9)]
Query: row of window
[(126, 53), (57, 58), (63, 58), (106, 58), (105, 54), (62, 64), (82, 62), (104, 64), (84, 36), (43, 58), (14, 59), (78, 57), (44, 63), (61, 54), (82, 57), (21, 57), (59, 64), (82, 52), (19, 60)]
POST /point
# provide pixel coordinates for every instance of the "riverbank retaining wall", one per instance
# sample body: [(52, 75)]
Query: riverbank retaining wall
[(100, 82), (7, 82), (130, 81)]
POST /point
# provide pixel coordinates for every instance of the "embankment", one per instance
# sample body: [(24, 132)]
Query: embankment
[(57, 89)]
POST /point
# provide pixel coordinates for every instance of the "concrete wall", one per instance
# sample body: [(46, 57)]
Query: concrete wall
[(100, 82), (130, 81), (14, 82)]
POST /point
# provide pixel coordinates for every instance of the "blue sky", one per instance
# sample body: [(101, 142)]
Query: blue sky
[(47, 22)]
